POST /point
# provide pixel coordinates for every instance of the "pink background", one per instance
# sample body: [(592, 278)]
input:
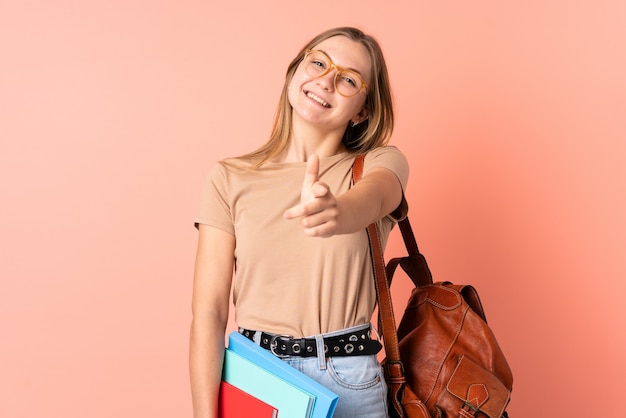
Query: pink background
[(512, 115)]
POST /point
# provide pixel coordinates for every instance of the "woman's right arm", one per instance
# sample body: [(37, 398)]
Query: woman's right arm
[(210, 304)]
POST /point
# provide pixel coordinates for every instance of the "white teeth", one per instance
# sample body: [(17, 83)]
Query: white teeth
[(318, 99)]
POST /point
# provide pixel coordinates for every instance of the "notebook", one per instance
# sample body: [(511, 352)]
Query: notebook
[(325, 400), (235, 403), (288, 399)]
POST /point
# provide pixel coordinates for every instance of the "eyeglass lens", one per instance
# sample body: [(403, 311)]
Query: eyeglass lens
[(317, 64)]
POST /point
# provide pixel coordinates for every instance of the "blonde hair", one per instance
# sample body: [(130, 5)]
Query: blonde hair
[(367, 135)]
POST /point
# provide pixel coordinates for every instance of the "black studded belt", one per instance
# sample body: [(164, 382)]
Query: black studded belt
[(356, 343)]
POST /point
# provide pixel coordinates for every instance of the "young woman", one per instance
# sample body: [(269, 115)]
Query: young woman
[(288, 221)]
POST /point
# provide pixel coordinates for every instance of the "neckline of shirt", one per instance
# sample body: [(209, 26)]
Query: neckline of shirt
[(323, 161)]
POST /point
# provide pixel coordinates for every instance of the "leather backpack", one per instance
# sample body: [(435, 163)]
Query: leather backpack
[(443, 360)]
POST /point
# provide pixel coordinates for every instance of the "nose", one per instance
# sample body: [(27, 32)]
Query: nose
[(327, 81)]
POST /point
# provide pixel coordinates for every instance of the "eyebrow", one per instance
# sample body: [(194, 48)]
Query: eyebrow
[(346, 68)]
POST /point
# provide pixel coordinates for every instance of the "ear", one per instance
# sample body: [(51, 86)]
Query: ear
[(360, 117)]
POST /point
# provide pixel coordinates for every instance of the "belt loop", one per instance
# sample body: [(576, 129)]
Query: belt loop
[(321, 353)]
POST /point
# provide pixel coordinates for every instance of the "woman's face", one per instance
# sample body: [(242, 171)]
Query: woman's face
[(316, 101)]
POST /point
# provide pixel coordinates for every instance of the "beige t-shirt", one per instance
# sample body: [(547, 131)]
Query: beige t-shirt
[(287, 282)]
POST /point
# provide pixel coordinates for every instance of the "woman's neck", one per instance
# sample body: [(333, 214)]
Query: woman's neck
[(306, 140)]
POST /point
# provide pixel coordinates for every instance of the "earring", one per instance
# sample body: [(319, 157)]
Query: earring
[(354, 123)]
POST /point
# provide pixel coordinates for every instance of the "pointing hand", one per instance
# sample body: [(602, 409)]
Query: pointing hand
[(317, 210)]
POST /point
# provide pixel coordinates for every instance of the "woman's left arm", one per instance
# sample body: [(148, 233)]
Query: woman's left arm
[(322, 214)]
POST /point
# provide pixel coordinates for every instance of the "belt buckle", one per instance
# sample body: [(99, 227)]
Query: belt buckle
[(274, 344)]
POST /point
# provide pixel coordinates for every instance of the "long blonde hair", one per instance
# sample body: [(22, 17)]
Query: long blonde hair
[(367, 135)]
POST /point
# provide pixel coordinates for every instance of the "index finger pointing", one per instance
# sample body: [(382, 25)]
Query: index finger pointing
[(311, 175)]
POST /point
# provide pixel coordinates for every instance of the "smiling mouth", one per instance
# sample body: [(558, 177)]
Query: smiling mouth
[(317, 99)]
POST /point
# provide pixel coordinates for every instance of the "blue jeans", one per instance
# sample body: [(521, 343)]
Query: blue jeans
[(358, 380)]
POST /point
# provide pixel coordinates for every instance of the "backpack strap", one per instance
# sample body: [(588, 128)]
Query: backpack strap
[(402, 399), (383, 295)]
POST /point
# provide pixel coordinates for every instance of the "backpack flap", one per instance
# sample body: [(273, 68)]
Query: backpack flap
[(485, 394)]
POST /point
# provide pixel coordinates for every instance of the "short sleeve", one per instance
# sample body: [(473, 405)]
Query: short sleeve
[(391, 158), (215, 207)]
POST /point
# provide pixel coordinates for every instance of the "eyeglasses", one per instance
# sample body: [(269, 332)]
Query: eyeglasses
[(317, 64)]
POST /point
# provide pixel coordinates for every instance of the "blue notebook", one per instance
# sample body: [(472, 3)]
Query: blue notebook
[(325, 400), (289, 400)]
